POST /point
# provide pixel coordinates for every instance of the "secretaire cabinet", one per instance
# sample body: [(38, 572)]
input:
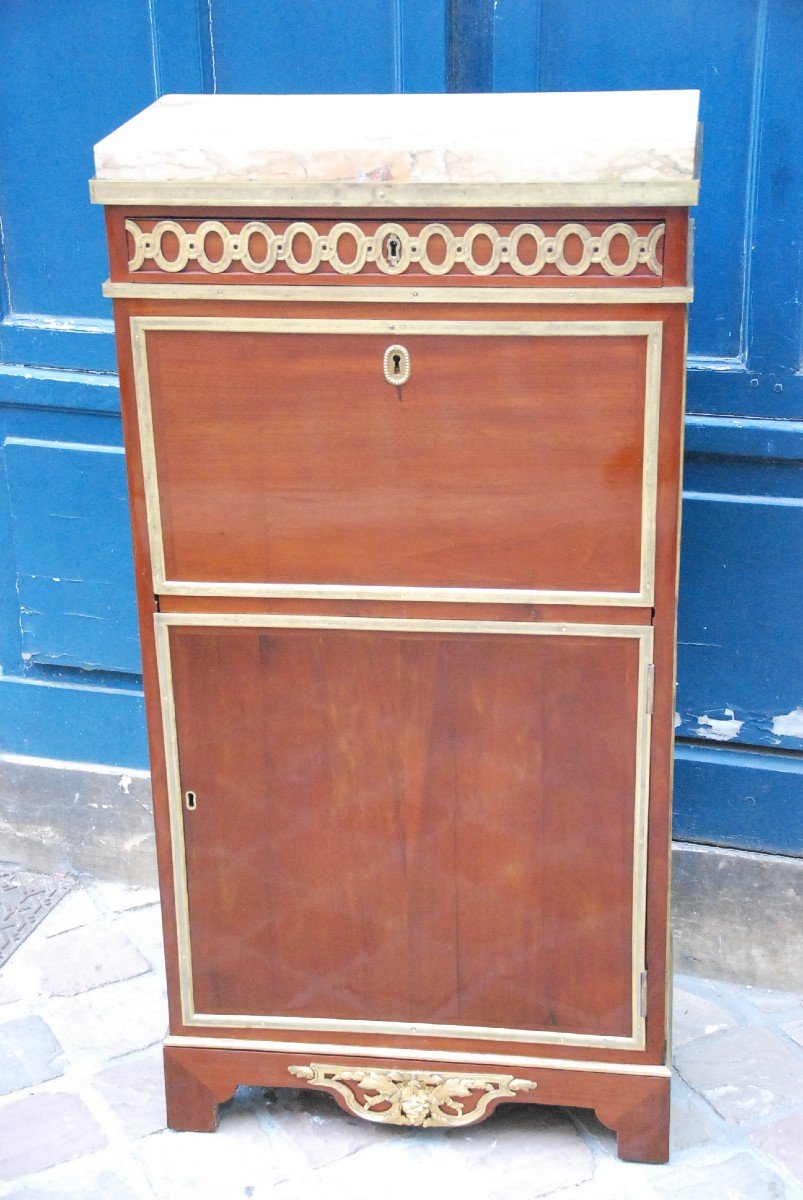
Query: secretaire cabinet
[(402, 383)]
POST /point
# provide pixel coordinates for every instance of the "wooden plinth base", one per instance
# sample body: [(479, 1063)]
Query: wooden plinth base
[(636, 1107)]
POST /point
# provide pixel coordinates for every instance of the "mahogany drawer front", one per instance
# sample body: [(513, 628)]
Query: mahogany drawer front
[(518, 462), (419, 783)]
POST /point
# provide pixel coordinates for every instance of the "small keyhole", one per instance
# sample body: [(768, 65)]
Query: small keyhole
[(393, 250), (396, 366), (190, 800)]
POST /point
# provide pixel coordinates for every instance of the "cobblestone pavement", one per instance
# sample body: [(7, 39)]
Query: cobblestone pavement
[(82, 1012)]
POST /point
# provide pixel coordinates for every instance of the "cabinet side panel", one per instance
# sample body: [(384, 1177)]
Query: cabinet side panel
[(147, 603), (662, 743)]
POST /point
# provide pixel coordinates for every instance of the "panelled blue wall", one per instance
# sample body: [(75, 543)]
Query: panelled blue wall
[(69, 74), (739, 770)]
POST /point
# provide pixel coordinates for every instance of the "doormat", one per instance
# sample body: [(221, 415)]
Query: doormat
[(26, 897)]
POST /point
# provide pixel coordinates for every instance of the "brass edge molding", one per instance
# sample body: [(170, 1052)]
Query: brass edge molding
[(643, 634), (337, 591), (651, 330), (418, 1029), (150, 478), (211, 192), (651, 441), (176, 821), (404, 624), (392, 1096), (397, 294), (403, 1053), (380, 325), (393, 248), (669, 998), (641, 812)]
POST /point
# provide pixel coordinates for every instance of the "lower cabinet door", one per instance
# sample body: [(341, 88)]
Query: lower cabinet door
[(409, 827)]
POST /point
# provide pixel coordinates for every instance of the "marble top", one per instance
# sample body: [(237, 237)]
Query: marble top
[(564, 138)]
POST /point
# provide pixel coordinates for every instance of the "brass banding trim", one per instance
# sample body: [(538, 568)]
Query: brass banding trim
[(661, 1071), (403, 624), (651, 330), (392, 248), (345, 293), (641, 633), (333, 194), (347, 591), (414, 1029)]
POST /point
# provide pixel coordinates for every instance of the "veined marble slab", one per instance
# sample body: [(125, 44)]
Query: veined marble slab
[(297, 142)]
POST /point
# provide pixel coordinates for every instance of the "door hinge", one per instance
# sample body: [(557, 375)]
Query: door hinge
[(649, 690), (643, 994)]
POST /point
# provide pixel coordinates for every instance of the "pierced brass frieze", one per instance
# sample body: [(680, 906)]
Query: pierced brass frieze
[(392, 248), (413, 1097)]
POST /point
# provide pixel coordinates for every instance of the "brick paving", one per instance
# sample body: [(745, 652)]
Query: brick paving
[(82, 1014)]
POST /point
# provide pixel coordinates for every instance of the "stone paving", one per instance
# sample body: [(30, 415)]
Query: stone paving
[(82, 1013), (26, 897)]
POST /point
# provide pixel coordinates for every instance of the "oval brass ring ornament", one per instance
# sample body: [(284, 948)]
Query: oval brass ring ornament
[(396, 365)]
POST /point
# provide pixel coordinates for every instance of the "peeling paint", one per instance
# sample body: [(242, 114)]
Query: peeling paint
[(719, 729), (60, 324), (789, 724), (6, 278), (752, 727)]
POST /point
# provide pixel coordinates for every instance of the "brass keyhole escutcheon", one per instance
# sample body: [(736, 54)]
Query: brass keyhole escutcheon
[(191, 801), (393, 249), (396, 365)]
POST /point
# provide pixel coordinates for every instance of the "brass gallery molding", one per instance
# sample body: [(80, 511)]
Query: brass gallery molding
[(642, 634), (344, 293), (428, 1098), (403, 1054), (652, 331), (332, 194), (392, 248)]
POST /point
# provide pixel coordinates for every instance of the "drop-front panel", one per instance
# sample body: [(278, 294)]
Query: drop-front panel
[(519, 456), (404, 483)]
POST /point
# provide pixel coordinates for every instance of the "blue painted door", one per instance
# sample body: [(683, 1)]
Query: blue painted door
[(739, 769), (70, 72), (68, 75)]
